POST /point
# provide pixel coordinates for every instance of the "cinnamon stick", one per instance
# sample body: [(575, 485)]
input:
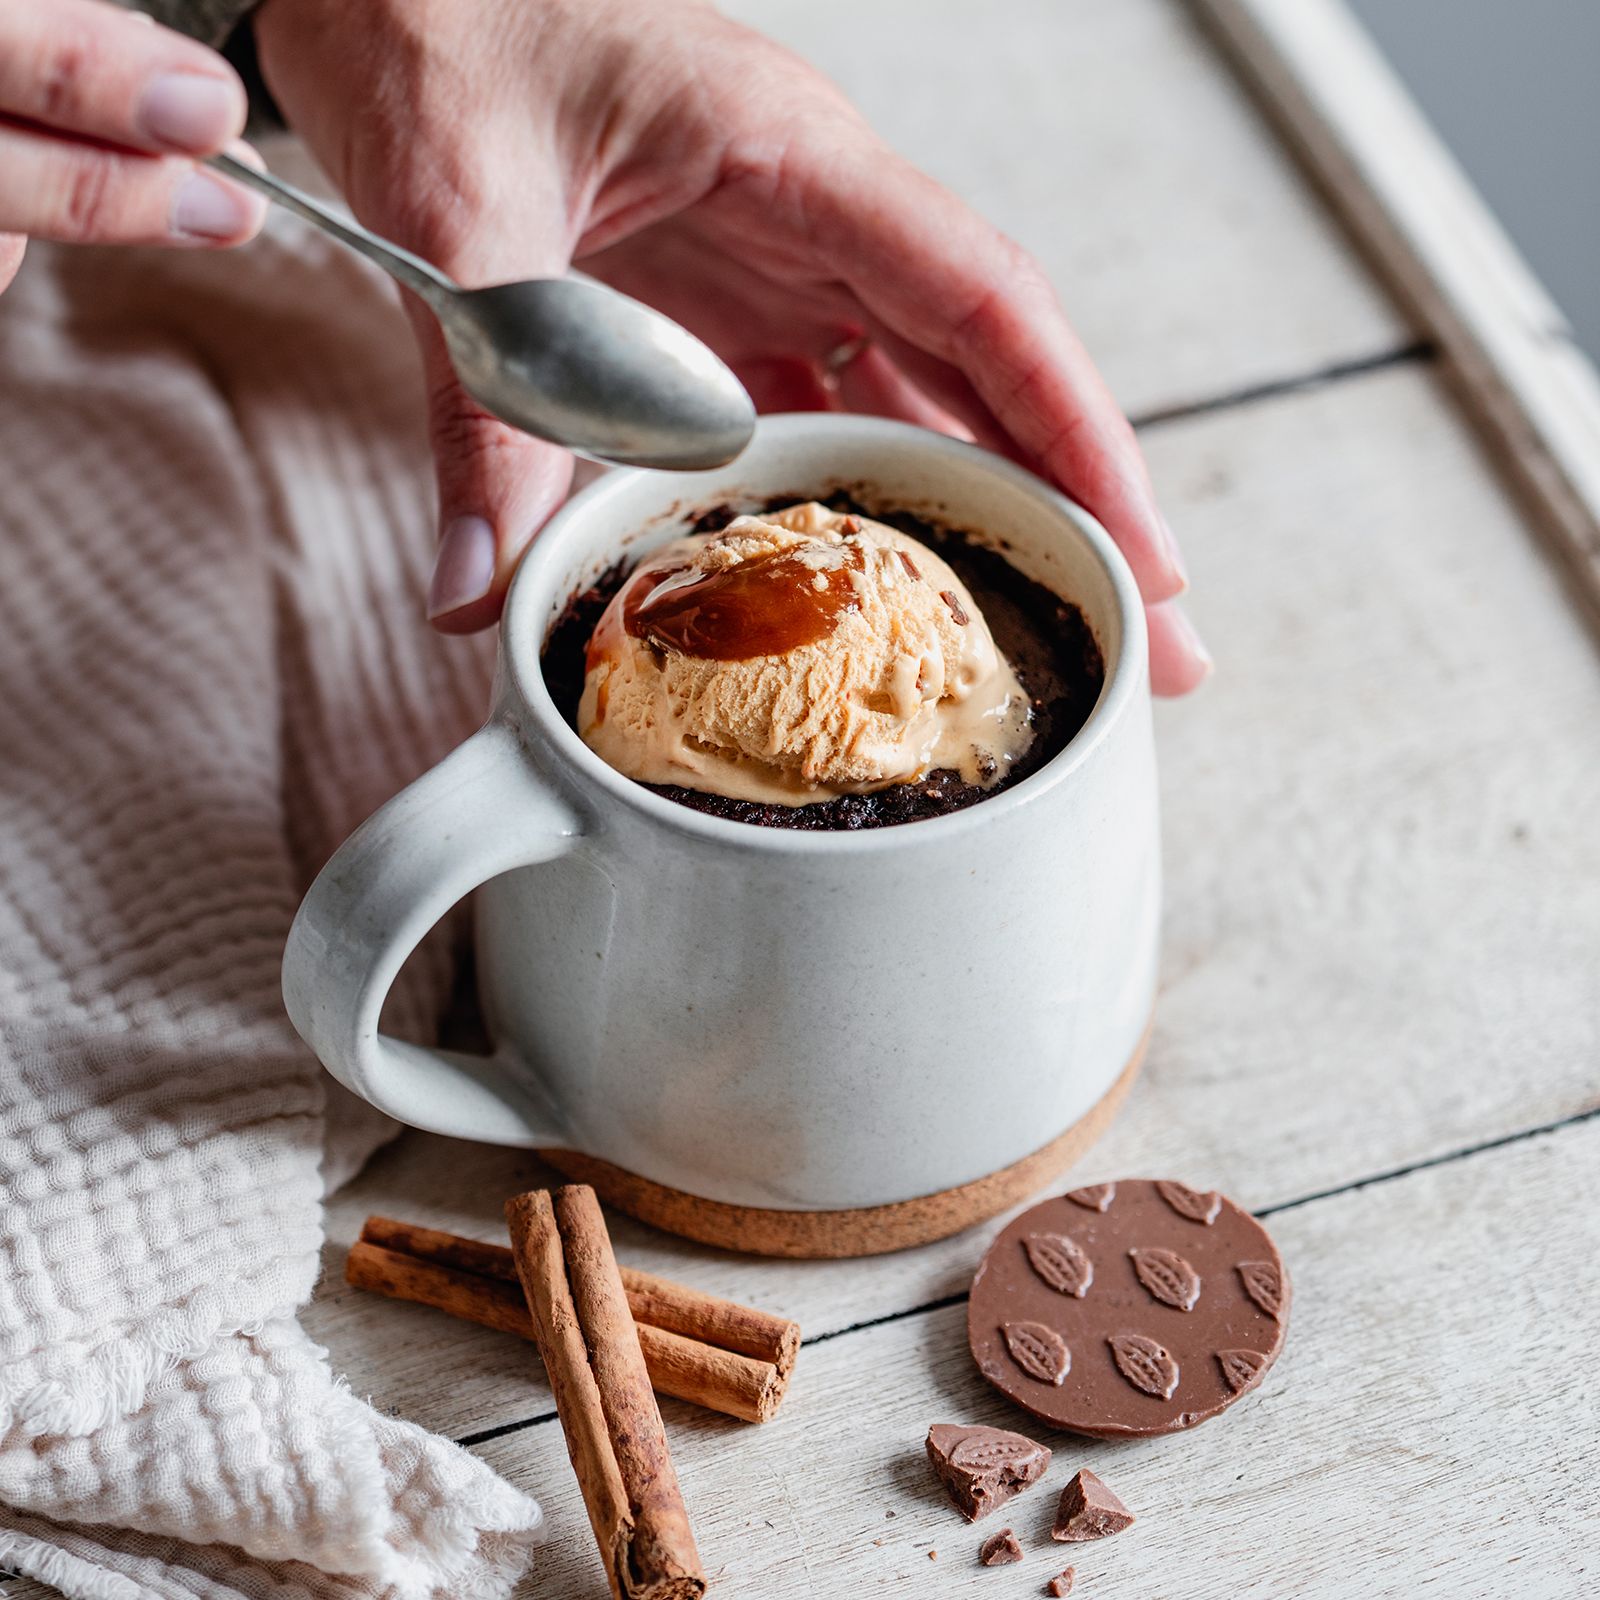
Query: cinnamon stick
[(657, 1301), (721, 1380), (711, 1352), (613, 1427)]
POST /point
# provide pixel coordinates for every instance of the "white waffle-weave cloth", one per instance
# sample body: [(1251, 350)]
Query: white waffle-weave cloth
[(215, 531)]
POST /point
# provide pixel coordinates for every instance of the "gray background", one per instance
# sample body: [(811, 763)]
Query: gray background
[(1512, 87)]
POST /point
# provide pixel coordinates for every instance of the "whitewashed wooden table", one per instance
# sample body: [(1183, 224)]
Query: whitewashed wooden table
[(1380, 1020)]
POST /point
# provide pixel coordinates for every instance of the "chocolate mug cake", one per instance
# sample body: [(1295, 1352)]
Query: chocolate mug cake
[(677, 1005), (817, 666)]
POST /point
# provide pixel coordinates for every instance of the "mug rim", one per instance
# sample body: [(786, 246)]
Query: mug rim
[(522, 667)]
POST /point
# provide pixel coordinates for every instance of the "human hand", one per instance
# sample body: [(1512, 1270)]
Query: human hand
[(101, 113), (696, 165)]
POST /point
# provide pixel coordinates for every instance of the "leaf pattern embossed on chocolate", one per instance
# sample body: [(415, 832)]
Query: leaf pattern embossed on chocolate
[(1264, 1284), (1061, 1262), (984, 1455), (1168, 1277), (1041, 1352), (1094, 1196), (1191, 1203), (1145, 1364), (1240, 1368)]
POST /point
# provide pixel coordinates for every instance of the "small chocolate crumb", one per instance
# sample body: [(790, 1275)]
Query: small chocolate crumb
[(1062, 1583), (958, 612), (1000, 1549), (933, 1555), (1088, 1510)]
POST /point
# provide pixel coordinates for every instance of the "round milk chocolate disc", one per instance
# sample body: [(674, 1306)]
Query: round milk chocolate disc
[(1131, 1308)]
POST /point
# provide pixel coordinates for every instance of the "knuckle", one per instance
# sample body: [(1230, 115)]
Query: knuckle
[(85, 203), (68, 61), (478, 455), (461, 427)]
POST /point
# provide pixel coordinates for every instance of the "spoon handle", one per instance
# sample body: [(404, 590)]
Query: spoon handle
[(412, 271)]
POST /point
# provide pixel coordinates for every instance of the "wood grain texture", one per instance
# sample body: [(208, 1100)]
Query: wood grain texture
[(1112, 141), (1534, 391), (1429, 1429), (1376, 816)]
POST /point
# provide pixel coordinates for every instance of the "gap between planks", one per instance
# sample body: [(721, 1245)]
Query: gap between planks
[(1417, 353), (927, 1308)]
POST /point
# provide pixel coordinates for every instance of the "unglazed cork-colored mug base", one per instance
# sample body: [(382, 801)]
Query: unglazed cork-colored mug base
[(860, 1231)]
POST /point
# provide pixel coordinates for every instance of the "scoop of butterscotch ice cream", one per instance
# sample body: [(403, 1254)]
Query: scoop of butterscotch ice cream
[(795, 657)]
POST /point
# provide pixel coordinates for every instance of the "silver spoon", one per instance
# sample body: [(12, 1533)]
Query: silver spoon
[(565, 359)]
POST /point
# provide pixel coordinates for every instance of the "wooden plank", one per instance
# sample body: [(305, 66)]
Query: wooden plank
[(1534, 391), (1110, 140), (1374, 817), (1431, 1427)]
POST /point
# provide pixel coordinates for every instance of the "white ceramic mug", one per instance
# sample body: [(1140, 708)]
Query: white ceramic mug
[(758, 1016)]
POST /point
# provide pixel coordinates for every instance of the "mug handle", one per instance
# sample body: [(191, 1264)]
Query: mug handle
[(482, 811)]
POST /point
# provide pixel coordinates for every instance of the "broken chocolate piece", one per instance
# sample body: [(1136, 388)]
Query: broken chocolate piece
[(1061, 1584), (1000, 1549), (984, 1467), (1180, 1316), (1089, 1510)]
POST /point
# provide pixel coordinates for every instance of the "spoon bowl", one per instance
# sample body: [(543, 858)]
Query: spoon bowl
[(565, 359), (574, 362)]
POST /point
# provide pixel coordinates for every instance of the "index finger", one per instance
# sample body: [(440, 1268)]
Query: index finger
[(84, 67), (944, 281)]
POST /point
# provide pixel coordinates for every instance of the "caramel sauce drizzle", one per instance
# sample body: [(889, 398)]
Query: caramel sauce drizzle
[(763, 607)]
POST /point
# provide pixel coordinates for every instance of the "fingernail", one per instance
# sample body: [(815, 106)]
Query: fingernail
[(208, 208), (464, 569), (189, 111), (1173, 552)]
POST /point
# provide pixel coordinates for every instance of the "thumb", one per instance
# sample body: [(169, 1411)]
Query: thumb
[(497, 487)]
